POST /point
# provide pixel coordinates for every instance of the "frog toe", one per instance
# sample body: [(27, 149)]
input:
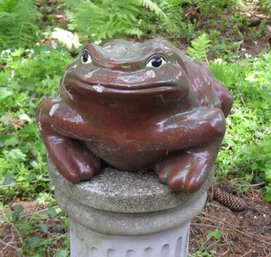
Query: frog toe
[(88, 171), (177, 181), (198, 174), (165, 169), (173, 171)]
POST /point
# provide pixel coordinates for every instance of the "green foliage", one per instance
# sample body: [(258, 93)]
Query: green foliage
[(266, 4), (18, 23), (152, 6), (256, 158), (246, 149), (28, 77), (40, 233), (199, 47), (107, 18), (202, 251), (216, 234)]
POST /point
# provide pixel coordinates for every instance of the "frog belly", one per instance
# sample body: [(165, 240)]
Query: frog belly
[(128, 160)]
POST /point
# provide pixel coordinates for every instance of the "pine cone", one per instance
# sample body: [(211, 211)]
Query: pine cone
[(228, 200)]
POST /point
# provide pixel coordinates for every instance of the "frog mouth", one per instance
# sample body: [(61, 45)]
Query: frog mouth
[(100, 87), (119, 88)]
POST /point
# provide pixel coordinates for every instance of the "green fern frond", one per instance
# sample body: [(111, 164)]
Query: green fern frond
[(86, 17), (135, 32), (199, 48), (18, 23), (266, 4), (104, 19), (154, 8)]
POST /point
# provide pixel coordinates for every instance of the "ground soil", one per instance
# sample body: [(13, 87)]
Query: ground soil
[(244, 234)]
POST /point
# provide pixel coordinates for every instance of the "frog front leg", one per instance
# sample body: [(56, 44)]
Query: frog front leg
[(62, 128), (199, 135)]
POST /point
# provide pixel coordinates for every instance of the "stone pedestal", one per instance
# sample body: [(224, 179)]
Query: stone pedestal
[(124, 214)]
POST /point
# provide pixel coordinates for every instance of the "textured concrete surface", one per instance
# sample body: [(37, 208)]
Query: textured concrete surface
[(124, 203), (120, 191)]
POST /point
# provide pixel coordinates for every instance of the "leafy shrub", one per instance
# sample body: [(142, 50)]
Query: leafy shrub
[(246, 149), (256, 158), (29, 76), (18, 23)]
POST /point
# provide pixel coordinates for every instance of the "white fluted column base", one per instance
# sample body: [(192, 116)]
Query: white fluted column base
[(169, 243)]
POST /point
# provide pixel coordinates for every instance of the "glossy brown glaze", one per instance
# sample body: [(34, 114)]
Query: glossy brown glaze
[(136, 107)]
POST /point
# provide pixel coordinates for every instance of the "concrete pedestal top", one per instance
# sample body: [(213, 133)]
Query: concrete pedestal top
[(125, 203)]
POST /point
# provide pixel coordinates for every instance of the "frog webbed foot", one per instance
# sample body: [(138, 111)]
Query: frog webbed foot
[(187, 170)]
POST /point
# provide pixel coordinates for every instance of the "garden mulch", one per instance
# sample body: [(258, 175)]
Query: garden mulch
[(244, 234)]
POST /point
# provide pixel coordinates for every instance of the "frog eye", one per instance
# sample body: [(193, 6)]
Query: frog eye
[(86, 58), (156, 61)]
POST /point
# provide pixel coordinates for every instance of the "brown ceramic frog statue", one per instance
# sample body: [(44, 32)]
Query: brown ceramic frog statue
[(136, 107)]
